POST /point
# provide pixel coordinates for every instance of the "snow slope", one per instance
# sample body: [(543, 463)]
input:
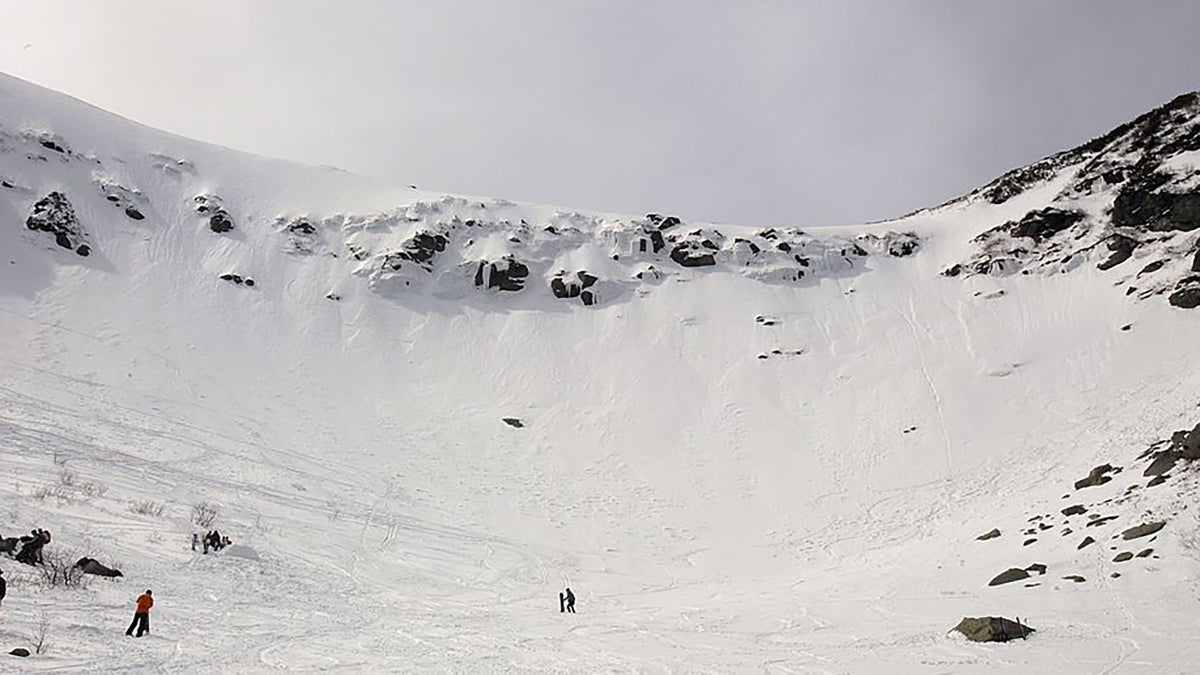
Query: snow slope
[(777, 462)]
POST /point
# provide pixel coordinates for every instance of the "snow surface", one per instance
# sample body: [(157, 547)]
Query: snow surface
[(812, 511)]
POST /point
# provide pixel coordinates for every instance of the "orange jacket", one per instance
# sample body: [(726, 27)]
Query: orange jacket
[(144, 603)]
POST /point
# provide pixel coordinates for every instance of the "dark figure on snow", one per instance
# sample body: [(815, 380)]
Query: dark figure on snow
[(141, 615), (3, 587), (31, 550), (93, 566), (570, 602), (195, 540), (562, 603), (213, 541)]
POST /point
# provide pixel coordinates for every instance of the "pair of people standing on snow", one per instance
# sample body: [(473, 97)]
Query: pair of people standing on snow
[(566, 602)]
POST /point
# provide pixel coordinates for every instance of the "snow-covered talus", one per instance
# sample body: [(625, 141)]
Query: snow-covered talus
[(778, 461)]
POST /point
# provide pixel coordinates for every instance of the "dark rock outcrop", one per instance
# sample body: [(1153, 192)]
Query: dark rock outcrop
[(1045, 223), (690, 254), (1152, 267), (1074, 510), (220, 222), (237, 279), (1123, 556), (1185, 298), (1008, 576), (1087, 541), (1097, 476), (506, 274), (421, 249), (1122, 248), (992, 629), (1163, 462), (1190, 445), (1144, 530), (513, 422), (988, 535), (1139, 205), (578, 287), (662, 222), (54, 215), (20, 651)]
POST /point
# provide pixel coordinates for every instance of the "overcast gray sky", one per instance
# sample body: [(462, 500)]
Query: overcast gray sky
[(738, 111)]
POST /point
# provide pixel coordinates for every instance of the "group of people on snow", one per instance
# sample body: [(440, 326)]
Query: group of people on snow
[(31, 545), (31, 554), (213, 540)]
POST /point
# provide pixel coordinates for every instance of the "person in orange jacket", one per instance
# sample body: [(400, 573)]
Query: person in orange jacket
[(141, 616)]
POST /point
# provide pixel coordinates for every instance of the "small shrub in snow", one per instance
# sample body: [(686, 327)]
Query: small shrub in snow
[(70, 488), (38, 639), (147, 507), (204, 514), (58, 571)]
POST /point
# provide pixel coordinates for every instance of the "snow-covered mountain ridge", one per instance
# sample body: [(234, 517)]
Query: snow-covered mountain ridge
[(1135, 190), (441, 245), (745, 449)]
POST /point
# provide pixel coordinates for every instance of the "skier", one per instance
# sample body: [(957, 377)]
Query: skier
[(141, 616), (195, 541), (570, 601)]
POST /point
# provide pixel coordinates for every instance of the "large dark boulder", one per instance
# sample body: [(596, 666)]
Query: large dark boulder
[(1008, 576), (220, 221), (658, 244), (661, 221), (903, 246), (421, 249), (1097, 476), (20, 651), (1144, 530), (1163, 462), (992, 629), (577, 287), (1185, 298), (1191, 444), (1122, 249), (687, 254), (54, 215), (506, 274)]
